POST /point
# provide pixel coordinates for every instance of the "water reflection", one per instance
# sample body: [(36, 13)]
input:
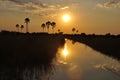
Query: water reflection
[(65, 52), (84, 63), (26, 73), (73, 62)]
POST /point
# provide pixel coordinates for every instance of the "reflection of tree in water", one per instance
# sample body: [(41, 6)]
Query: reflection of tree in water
[(40, 72), (73, 42), (38, 69)]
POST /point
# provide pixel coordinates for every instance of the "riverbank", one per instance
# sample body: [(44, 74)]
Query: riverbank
[(106, 44), (29, 49)]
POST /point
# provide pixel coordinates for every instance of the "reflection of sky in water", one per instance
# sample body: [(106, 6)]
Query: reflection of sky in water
[(84, 63)]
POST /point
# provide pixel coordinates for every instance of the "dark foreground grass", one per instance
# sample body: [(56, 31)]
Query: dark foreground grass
[(29, 48), (27, 56)]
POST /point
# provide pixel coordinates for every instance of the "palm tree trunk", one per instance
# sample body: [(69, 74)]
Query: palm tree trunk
[(18, 29), (21, 30), (48, 28), (43, 29), (53, 30), (26, 27)]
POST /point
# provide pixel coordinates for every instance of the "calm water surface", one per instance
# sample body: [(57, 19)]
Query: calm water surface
[(75, 61), (80, 62)]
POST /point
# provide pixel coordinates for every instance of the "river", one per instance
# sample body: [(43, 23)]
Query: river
[(77, 61)]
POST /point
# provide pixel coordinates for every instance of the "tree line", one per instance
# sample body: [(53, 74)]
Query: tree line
[(27, 20), (47, 25)]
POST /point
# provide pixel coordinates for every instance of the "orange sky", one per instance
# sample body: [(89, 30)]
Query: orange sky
[(89, 16)]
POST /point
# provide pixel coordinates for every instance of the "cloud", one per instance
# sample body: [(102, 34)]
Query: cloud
[(66, 7), (28, 6), (28, 2), (110, 4), (35, 7), (35, 4), (24, 1)]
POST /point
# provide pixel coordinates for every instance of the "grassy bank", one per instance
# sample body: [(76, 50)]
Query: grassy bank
[(28, 49), (28, 56)]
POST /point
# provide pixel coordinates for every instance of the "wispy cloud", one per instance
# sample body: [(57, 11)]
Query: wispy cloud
[(32, 6), (24, 1), (66, 7), (110, 4), (28, 4)]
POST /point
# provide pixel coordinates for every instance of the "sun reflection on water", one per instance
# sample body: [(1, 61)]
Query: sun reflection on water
[(65, 51), (63, 54)]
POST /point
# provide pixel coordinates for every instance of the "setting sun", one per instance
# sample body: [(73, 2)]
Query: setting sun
[(66, 17)]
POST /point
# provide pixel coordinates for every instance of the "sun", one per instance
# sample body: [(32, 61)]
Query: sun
[(66, 17)]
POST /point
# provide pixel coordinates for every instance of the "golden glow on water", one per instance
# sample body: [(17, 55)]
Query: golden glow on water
[(77, 59), (65, 52)]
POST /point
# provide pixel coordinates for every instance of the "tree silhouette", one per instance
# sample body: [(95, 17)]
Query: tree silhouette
[(43, 26), (58, 30), (17, 26), (27, 20), (53, 24), (77, 31), (22, 26), (73, 29), (48, 23)]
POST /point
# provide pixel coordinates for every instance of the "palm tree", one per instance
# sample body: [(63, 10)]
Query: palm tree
[(27, 20), (58, 30), (22, 26), (73, 29), (48, 23), (53, 24), (17, 26), (43, 26), (77, 31)]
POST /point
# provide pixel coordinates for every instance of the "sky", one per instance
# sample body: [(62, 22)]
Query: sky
[(87, 16)]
